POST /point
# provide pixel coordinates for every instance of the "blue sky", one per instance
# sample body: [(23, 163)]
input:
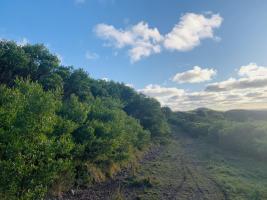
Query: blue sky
[(107, 39)]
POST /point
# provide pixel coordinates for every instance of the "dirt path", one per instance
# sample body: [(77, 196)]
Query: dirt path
[(168, 172)]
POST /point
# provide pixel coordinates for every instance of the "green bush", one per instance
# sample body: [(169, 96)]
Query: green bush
[(31, 157), (59, 127)]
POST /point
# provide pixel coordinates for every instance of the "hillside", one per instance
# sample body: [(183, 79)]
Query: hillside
[(66, 135), (245, 115)]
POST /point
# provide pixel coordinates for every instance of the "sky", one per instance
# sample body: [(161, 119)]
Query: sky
[(185, 53)]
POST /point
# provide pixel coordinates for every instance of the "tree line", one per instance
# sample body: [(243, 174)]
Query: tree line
[(60, 128)]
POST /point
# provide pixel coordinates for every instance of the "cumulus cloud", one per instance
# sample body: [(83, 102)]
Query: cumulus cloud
[(253, 70), (251, 76), (191, 29), (162, 94), (143, 41), (158, 91), (248, 91), (195, 75)]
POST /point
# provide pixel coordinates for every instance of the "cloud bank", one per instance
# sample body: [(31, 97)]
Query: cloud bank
[(143, 41), (251, 76), (248, 91)]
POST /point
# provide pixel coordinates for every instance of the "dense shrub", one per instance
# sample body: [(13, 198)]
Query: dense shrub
[(59, 127), (31, 158), (248, 137)]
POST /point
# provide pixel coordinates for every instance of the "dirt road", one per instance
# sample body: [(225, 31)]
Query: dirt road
[(167, 172)]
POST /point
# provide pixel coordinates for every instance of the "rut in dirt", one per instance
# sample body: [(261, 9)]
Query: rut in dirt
[(176, 176)]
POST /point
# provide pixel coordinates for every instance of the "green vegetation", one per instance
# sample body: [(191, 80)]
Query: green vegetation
[(246, 135), (60, 128), (170, 173), (232, 145), (241, 177)]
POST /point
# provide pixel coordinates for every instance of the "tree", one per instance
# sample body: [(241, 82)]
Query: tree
[(13, 62), (78, 84), (149, 112)]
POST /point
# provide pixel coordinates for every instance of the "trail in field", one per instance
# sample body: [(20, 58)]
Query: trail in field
[(173, 172)]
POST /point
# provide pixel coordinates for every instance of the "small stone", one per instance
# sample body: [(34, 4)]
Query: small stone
[(72, 192)]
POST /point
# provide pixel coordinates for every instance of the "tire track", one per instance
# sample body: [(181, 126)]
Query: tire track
[(182, 178), (204, 187)]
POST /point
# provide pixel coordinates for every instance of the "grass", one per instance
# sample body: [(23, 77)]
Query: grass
[(241, 177), (186, 166), (154, 176), (145, 182), (161, 178)]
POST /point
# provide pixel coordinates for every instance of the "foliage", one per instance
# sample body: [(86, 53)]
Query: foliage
[(59, 127), (248, 137), (31, 158), (148, 111)]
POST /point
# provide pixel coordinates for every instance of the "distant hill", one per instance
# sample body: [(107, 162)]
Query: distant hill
[(234, 115), (245, 115)]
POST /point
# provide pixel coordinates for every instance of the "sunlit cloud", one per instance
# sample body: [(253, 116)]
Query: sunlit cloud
[(195, 75), (248, 91), (251, 76), (191, 29), (143, 41)]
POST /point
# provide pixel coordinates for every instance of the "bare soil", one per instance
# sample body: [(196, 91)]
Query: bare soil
[(166, 172)]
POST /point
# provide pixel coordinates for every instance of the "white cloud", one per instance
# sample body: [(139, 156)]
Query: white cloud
[(249, 91), (251, 76), (179, 99), (162, 94), (252, 70), (195, 75), (91, 56), (157, 90), (143, 41), (192, 27), (235, 84)]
